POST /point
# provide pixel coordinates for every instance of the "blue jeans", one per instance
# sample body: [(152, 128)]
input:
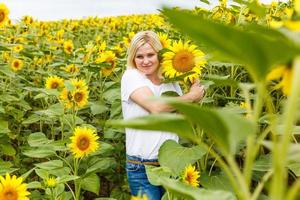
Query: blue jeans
[(138, 181)]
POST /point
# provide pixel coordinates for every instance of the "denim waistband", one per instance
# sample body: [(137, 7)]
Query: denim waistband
[(136, 158)]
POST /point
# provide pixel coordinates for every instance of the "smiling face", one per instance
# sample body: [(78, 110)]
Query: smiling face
[(146, 60)]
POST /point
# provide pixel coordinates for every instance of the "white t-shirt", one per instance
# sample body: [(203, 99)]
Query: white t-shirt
[(141, 143)]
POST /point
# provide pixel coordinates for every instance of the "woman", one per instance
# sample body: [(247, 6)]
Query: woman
[(140, 82)]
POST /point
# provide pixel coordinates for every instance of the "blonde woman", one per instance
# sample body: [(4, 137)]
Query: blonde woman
[(141, 81)]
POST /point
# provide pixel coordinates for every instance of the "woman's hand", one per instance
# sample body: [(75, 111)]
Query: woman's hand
[(196, 92)]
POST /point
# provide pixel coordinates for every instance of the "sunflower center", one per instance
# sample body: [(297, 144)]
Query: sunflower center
[(10, 194), (183, 61), (83, 143), (54, 85), (189, 177), (16, 64), (72, 69), (78, 96), (2, 16), (69, 48)]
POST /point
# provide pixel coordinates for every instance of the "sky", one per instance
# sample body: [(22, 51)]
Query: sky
[(74, 9)]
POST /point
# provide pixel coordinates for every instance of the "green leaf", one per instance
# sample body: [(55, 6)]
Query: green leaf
[(67, 178), (34, 185), (258, 52), (176, 157), (91, 183), (37, 139), (39, 153), (100, 165), (98, 108), (225, 128), (53, 164), (215, 182), (163, 122), (4, 126), (205, 1), (42, 173), (32, 119), (186, 190), (8, 149), (263, 163)]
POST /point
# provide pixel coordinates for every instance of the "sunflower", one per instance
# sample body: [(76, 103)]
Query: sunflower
[(284, 74), (72, 69), (79, 84), (68, 46), (16, 65), (83, 142), (18, 48), (51, 182), (80, 97), (12, 188), (110, 58), (164, 40), (3, 14), (67, 98), (54, 82), (27, 20), (190, 176), (183, 58)]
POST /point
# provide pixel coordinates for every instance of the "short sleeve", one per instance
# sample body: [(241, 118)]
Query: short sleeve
[(178, 89), (131, 80)]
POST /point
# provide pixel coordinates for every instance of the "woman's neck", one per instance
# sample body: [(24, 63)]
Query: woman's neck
[(154, 79)]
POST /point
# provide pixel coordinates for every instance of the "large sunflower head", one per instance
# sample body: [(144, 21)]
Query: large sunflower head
[(181, 59), (190, 176), (16, 65), (3, 14), (12, 188), (83, 142), (68, 46), (54, 82), (80, 97)]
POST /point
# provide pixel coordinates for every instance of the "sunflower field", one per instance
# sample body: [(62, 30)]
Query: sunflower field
[(61, 127)]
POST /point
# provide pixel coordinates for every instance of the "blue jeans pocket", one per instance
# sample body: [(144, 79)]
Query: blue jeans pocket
[(131, 167)]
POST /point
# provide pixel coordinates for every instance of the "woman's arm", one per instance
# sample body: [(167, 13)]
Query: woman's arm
[(142, 96)]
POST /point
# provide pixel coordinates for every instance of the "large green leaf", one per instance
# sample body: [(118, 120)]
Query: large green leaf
[(164, 122), (257, 51), (91, 183), (176, 157), (225, 128), (217, 181), (100, 165), (186, 190), (49, 165)]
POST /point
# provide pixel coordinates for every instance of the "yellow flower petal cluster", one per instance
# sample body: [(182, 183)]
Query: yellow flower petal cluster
[(139, 197), (164, 40), (83, 142), (51, 182), (16, 64), (68, 46), (77, 97), (54, 82), (181, 59), (191, 175), (12, 188), (4, 11), (72, 68), (110, 58), (284, 74), (18, 48)]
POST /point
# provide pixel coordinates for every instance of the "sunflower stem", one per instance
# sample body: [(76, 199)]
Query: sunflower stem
[(280, 148)]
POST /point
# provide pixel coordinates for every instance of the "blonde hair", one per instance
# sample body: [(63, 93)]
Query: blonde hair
[(139, 40)]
